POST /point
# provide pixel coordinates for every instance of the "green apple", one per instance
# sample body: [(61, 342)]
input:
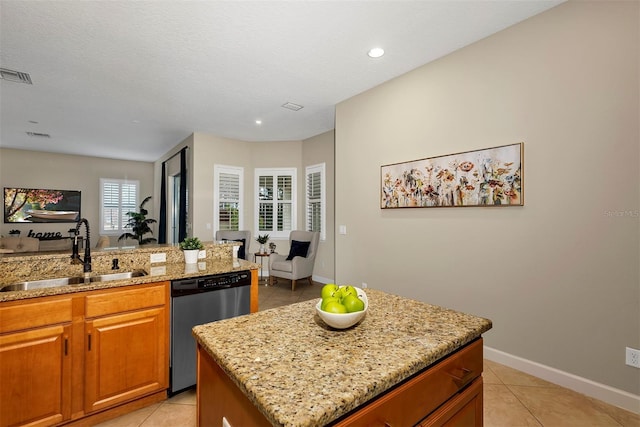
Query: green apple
[(352, 303), (328, 290), (335, 307), (327, 300), (347, 290)]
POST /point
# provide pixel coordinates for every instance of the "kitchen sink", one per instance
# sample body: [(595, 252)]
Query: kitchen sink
[(65, 281), (46, 283), (119, 276)]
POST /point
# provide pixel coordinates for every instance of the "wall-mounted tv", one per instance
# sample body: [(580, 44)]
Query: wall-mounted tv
[(39, 205)]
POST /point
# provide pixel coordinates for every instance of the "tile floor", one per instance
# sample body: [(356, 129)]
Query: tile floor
[(511, 398)]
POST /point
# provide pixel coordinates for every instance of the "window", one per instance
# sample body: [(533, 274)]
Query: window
[(118, 197), (315, 200), (276, 202), (227, 197)]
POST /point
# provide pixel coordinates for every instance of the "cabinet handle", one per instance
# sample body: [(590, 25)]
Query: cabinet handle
[(89, 348), (464, 378), (66, 346)]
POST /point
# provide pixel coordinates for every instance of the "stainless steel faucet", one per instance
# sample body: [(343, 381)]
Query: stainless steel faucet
[(75, 257)]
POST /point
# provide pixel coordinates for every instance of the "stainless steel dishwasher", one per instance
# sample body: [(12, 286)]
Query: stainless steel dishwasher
[(196, 301)]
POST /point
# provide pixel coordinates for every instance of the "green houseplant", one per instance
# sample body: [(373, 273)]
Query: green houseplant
[(262, 239), (191, 243), (191, 246), (139, 225)]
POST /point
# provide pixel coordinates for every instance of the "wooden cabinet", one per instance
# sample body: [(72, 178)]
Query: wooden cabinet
[(64, 358), (35, 363), (448, 393), (126, 354)]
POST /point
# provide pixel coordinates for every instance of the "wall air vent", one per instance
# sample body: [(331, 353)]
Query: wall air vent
[(39, 135), (15, 76), (292, 106)]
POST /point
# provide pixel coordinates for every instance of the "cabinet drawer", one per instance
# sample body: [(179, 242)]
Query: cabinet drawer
[(19, 316), (410, 402), (120, 301)]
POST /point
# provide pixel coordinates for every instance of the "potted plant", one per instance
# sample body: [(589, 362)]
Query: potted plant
[(262, 239), (191, 246), (139, 225)]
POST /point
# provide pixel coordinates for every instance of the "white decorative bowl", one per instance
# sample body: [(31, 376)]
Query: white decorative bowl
[(344, 320)]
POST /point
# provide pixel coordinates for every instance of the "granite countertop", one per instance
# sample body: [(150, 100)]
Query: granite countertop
[(300, 372), (156, 273)]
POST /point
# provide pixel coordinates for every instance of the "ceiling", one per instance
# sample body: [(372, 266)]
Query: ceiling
[(131, 79)]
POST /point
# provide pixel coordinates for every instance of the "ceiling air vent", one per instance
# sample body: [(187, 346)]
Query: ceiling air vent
[(15, 76), (292, 106), (39, 135)]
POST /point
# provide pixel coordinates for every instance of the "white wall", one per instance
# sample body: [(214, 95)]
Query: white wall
[(35, 169), (559, 277)]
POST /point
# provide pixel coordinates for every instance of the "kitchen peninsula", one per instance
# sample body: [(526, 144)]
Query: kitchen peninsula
[(97, 347), (406, 363)]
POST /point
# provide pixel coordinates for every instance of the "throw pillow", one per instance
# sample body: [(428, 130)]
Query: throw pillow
[(241, 250), (298, 249)]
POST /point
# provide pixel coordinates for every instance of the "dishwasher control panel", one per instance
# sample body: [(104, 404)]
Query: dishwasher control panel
[(210, 283), (222, 280)]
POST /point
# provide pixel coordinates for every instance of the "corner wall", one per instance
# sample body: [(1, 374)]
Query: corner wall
[(560, 276)]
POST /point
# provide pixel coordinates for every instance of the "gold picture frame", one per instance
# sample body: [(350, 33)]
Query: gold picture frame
[(484, 177)]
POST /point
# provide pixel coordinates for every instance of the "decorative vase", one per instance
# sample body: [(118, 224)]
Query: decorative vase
[(262, 249), (191, 256)]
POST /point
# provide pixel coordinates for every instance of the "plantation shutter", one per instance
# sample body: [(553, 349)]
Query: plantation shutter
[(110, 206), (314, 192), (315, 199), (285, 198), (276, 202), (117, 198), (229, 201)]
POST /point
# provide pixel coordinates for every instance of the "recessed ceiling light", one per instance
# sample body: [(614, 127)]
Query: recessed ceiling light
[(376, 52), (258, 122)]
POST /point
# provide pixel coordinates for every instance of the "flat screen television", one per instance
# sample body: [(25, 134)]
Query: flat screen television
[(39, 205)]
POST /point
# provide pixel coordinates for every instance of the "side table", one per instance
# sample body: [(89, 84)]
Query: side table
[(261, 256)]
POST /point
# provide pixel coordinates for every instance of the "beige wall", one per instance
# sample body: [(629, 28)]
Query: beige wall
[(316, 150), (35, 169), (559, 277)]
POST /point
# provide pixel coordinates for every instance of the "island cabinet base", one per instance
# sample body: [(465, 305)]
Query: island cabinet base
[(448, 393), (218, 397)]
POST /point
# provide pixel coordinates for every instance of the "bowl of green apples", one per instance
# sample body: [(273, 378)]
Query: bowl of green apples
[(342, 307)]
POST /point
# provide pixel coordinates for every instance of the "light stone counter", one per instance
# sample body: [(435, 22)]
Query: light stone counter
[(299, 372), (23, 267)]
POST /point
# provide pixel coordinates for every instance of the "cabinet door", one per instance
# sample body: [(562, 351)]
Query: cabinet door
[(126, 357), (35, 376)]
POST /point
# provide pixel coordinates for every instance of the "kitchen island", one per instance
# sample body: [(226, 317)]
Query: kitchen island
[(406, 363)]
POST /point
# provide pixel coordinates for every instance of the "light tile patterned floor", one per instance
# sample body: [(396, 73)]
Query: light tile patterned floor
[(511, 398)]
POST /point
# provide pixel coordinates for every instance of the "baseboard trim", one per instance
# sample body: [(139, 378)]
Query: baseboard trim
[(611, 395), (321, 279)]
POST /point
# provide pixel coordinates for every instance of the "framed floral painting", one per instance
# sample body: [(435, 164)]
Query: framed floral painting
[(486, 177)]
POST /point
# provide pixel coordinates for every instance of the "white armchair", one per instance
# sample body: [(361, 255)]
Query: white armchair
[(302, 256), (243, 237)]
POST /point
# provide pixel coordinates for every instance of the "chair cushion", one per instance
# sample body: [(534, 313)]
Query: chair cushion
[(241, 252), (298, 249), (282, 266)]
